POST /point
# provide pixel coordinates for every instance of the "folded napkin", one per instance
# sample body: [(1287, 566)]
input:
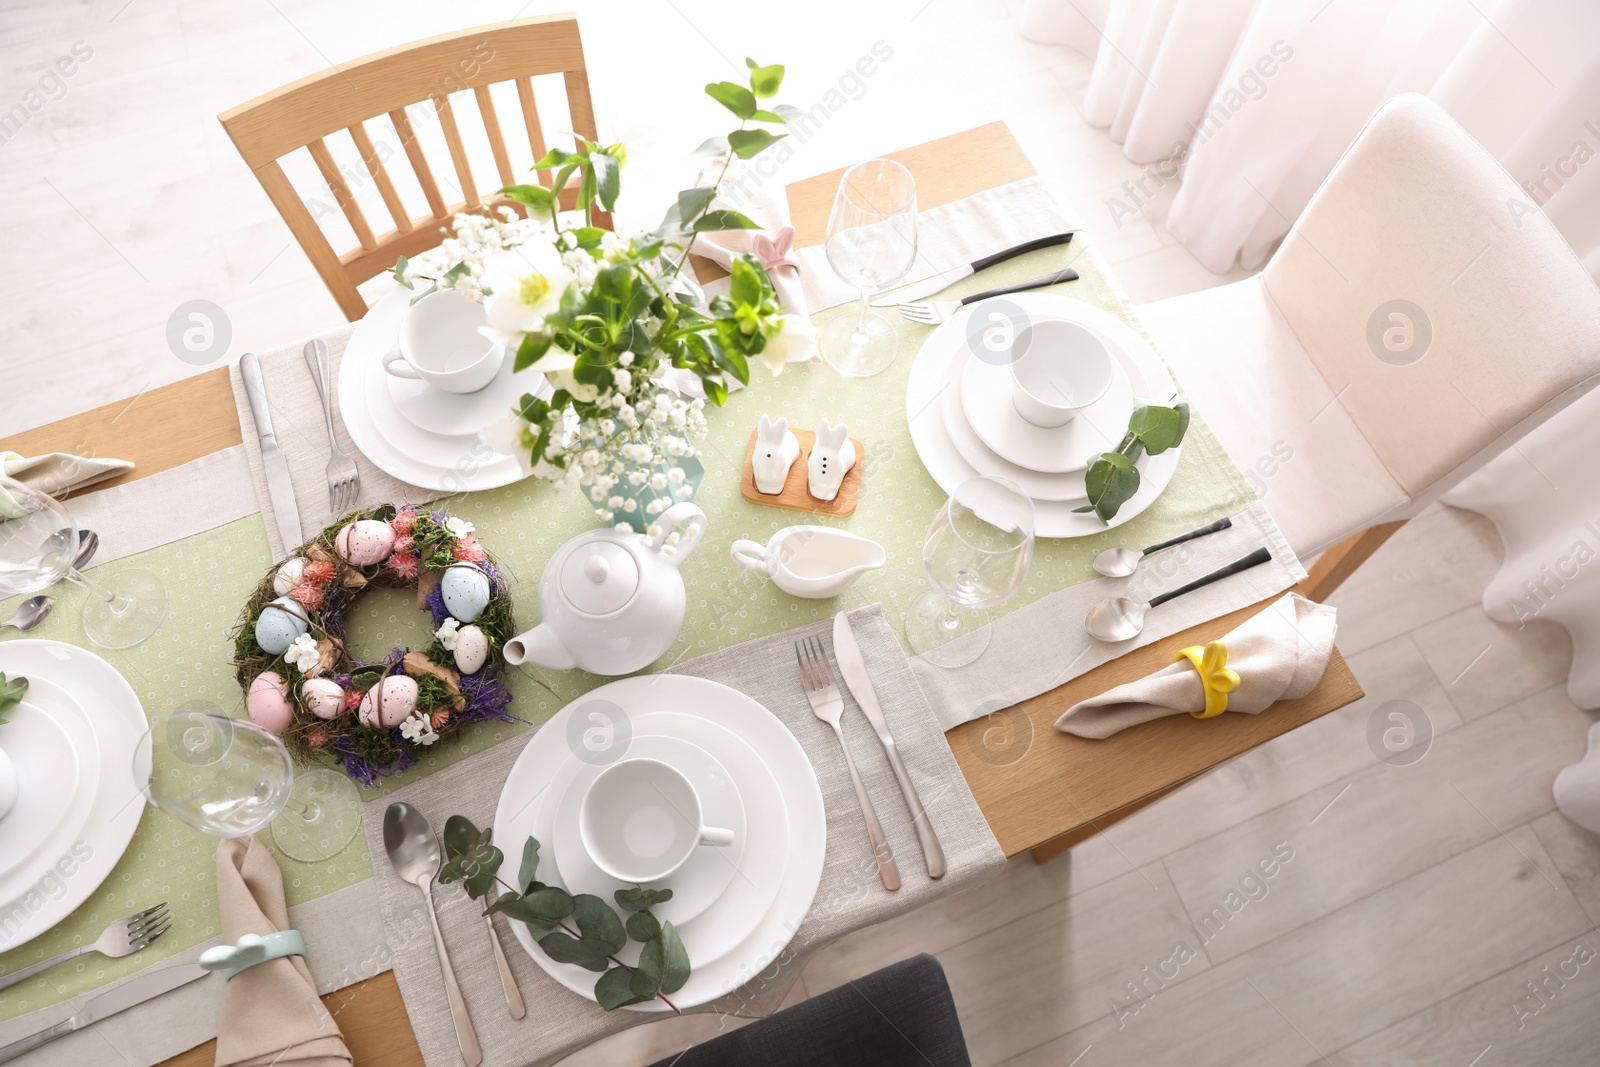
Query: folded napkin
[(55, 473), (772, 246), (271, 1015), (1278, 654)]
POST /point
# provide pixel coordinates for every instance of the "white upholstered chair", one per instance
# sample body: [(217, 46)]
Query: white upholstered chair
[(1348, 408)]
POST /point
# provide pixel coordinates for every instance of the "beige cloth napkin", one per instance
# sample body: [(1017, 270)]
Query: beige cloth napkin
[(1279, 654), (57, 473), (271, 1014)]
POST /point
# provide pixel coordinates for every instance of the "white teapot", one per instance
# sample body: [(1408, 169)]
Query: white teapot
[(611, 603)]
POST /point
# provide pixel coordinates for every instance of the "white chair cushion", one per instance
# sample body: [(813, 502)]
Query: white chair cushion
[(1250, 379)]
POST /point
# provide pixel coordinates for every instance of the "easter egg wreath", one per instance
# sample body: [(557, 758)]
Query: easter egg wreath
[(300, 680)]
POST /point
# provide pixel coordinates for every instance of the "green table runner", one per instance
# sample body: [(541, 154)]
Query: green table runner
[(209, 576)]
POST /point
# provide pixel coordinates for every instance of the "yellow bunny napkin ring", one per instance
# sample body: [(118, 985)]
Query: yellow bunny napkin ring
[(1211, 663)]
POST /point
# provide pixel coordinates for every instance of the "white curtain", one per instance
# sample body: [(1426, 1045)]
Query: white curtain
[(1260, 97)]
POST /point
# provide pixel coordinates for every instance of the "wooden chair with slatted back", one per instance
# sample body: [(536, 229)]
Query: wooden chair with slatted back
[(304, 113)]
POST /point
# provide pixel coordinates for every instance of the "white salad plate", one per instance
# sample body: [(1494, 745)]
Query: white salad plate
[(43, 736), (781, 867), (930, 378), (1067, 486), (708, 870), (435, 411), (985, 391), (452, 464), (79, 862)]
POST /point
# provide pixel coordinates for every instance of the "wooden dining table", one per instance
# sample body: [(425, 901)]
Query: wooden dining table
[(1041, 790)]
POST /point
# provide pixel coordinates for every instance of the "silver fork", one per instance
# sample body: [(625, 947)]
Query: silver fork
[(344, 477), (816, 676), (934, 312), (122, 938)]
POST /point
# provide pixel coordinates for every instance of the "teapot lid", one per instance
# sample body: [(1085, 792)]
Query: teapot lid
[(599, 577)]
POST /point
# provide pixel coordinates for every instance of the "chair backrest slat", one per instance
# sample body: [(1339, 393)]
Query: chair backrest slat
[(304, 113), (341, 193), (380, 177), (530, 119)]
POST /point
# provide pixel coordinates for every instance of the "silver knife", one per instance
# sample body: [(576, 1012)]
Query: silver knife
[(848, 654), (280, 490), (945, 279), (145, 987)]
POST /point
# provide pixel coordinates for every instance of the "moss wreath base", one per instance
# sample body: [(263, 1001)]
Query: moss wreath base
[(300, 680)]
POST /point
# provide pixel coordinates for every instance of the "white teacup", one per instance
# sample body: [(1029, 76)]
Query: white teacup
[(1063, 368), (641, 820), (440, 344)]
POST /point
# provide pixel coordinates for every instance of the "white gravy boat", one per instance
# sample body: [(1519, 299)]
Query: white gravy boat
[(811, 561)]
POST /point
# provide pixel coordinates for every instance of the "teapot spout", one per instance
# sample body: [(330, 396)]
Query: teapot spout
[(539, 645)]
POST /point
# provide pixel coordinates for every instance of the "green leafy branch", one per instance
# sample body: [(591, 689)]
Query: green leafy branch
[(1112, 479), (11, 693), (663, 967)]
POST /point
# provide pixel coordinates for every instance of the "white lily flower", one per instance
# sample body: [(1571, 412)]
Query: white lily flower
[(795, 341), (526, 284)]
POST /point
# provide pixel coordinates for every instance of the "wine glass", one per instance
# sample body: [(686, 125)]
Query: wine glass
[(38, 542), (228, 777), (871, 243), (976, 554)]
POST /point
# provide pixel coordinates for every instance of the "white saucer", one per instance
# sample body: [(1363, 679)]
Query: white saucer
[(787, 843), (1096, 428), (929, 374), (1067, 486), (43, 754), (707, 872), (81, 860), (461, 414)]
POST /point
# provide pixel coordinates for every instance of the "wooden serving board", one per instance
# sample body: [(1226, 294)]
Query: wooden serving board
[(796, 496)]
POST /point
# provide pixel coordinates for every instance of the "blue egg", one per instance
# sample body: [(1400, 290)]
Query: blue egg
[(465, 590), (279, 623)]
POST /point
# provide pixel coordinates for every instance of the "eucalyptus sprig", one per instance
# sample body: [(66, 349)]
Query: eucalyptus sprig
[(1112, 479), (11, 693), (474, 860)]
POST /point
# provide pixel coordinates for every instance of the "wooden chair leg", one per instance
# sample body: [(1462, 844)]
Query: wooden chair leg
[(1341, 561)]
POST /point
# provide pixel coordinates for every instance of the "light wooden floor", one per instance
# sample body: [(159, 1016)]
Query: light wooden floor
[(1420, 901)]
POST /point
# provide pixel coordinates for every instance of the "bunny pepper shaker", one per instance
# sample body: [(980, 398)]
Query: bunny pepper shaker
[(832, 456), (776, 450)]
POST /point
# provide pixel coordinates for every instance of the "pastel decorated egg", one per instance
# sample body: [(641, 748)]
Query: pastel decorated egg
[(288, 575), (268, 702), (323, 697), (472, 650), (279, 623), (465, 590), (390, 702), (364, 542)]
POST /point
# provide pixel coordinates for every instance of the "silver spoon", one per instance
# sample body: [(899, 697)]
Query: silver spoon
[(414, 853), (1120, 562), (30, 613), (88, 542), (1121, 618)]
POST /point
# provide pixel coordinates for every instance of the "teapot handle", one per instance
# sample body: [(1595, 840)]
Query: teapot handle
[(693, 526)]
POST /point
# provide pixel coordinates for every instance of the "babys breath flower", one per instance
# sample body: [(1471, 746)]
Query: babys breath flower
[(676, 475), (608, 426), (419, 730), (458, 527), (658, 481), (448, 634), (622, 528), (630, 505), (614, 502), (622, 379), (652, 531), (626, 359), (303, 654)]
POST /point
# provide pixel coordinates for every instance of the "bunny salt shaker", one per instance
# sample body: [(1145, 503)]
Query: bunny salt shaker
[(832, 456), (776, 451)]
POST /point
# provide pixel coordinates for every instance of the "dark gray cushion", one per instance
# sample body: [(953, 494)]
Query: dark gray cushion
[(902, 1014)]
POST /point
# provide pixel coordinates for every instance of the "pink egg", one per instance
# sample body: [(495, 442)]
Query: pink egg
[(390, 702), (268, 702), (322, 697), (364, 542)]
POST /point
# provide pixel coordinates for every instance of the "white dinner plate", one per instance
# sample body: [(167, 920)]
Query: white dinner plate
[(707, 871), (775, 758), (1067, 486), (470, 465), (41, 737), (81, 864), (929, 379), (986, 401)]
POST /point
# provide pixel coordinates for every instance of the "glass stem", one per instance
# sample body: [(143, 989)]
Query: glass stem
[(310, 811), (861, 318), (120, 605)]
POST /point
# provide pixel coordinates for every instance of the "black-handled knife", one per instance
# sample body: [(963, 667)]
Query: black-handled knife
[(928, 286)]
